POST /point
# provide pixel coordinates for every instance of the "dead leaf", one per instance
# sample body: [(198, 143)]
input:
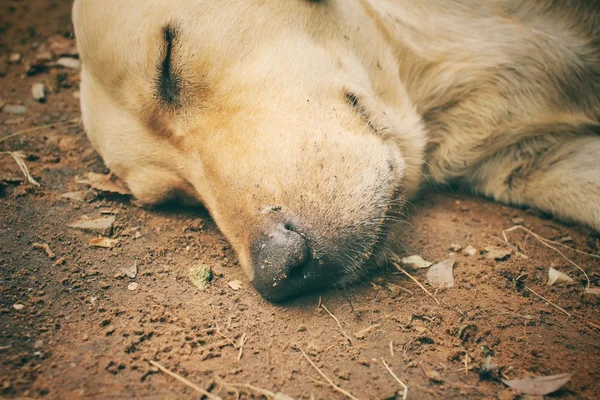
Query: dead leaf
[(77, 196), (555, 276), (592, 294), (498, 253), (363, 333), (441, 275), (200, 275), (103, 242), (105, 183), (94, 224), (539, 386), (235, 284), (416, 261)]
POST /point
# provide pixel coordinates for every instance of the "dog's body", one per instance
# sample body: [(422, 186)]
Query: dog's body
[(302, 125)]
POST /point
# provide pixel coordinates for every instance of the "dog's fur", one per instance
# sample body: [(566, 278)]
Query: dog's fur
[(327, 114)]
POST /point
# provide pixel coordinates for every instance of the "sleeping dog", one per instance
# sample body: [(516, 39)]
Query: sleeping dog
[(303, 126)]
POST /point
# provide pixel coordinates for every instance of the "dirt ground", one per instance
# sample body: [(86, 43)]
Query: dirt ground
[(72, 328)]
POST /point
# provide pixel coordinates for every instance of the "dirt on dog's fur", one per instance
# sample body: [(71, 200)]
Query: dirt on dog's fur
[(70, 327)]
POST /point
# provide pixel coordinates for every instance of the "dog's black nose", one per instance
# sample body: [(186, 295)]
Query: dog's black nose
[(283, 265)]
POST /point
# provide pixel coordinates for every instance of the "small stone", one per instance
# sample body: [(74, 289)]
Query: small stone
[(14, 58), (103, 285), (470, 250), (18, 306), (67, 62), (38, 344), (517, 221), (119, 275), (364, 361), (85, 337), (132, 271), (15, 109), (455, 247), (133, 286), (301, 328), (38, 91)]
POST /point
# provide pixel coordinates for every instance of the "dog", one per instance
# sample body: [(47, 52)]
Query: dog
[(304, 126)]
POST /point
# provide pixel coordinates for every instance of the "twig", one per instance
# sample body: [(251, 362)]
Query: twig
[(185, 381), (46, 248), (547, 301), (19, 158), (593, 325), (39, 128), (399, 268), (339, 324), (545, 242), (466, 364), (392, 348), (405, 392), (263, 392), (333, 385), (241, 346), (363, 332)]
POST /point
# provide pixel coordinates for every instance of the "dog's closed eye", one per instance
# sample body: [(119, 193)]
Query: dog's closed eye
[(169, 82)]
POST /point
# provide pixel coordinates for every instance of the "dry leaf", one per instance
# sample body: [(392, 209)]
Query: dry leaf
[(555, 276), (105, 183), (416, 261), (78, 196), (200, 275), (539, 386), (441, 275), (94, 224), (235, 284), (592, 294), (498, 253), (103, 242)]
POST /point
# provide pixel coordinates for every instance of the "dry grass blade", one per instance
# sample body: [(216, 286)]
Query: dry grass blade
[(546, 242), (234, 386), (399, 268), (40, 128), (185, 381), (19, 158), (243, 340), (404, 387), (331, 383), (547, 301), (338, 323)]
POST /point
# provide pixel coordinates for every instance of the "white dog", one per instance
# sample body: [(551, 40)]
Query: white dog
[(302, 125)]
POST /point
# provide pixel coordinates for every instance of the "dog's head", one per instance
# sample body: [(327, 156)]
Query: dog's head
[(286, 118)]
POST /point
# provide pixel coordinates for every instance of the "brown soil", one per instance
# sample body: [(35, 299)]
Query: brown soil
[(82, 334)]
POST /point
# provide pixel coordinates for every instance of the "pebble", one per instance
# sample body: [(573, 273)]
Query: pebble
[(14, 58), (133, 286), (15, 109), (103, 285), (68, 62), (38, 91), (18, 306), (455, 247), (517, 221), (470, 250)]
